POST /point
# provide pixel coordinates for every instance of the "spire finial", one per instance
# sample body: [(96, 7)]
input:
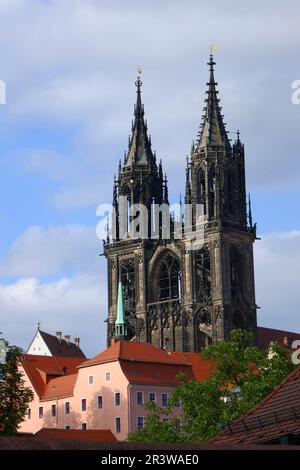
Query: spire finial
[(38, 324), (139, 82), (212, 129), (238, 136)]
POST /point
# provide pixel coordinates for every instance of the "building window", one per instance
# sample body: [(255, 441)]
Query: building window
[(41, 412), (67, 427), (169, 278), (140, 422), (53, 411), (107, 376), (117, 399), (164, 399), (84, 426), (118, 425), (152, 396), (67, 408), (139, 398), (91, 379), (83, 404), (165, 420), (202, 273), (128, 283), (29, 413), (177, 403), (99, 402)]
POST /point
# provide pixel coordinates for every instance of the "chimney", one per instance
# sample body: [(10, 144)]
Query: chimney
[(77, 341), (58, 336), (67, 339), (285, 341)]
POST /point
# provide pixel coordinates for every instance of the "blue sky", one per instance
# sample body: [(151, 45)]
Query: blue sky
[(69, 68)]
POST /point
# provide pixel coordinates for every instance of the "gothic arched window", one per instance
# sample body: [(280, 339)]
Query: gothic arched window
[(201, 191), (202, 273), (128, 283), (169, 278)]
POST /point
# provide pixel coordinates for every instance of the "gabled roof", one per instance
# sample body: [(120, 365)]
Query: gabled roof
[(135, 352), (41, 369), (60, 387), (266, 335), (60, 347), (100, 435), (277, 415)]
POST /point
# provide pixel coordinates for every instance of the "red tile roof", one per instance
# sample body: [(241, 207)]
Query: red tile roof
[(41, 369), (164, 375), (277, 415), (202, 368), (59, 387), (133, 351), (100, 435), (266, 335)]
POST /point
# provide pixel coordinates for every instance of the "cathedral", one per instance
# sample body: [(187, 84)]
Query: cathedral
[(178, 295)]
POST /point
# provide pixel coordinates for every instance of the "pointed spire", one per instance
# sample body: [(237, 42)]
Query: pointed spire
[(187, 182), (139, 145), (166, 193), (120, 325), (212, 132)]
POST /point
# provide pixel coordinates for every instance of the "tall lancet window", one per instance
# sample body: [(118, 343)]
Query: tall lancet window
[(212, 192), (202, 273), (169, 278), (128, 283), (202, 192)]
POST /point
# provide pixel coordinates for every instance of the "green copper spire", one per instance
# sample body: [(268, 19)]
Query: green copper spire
[(120, 325)]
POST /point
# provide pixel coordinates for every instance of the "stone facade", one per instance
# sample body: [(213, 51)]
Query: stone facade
[(176, 297)]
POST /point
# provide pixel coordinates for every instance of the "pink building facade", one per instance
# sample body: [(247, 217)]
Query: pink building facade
[(106, 392)]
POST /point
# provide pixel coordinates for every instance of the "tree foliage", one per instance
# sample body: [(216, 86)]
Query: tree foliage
[(244, 375), (14, 395)]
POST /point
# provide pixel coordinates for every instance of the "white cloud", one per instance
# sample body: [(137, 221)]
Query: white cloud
[(74, 305), (277, 269), (74, 66), (43, 251), (61, 281)]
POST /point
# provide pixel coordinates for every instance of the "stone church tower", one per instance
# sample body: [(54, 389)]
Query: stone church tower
[(176, 297)]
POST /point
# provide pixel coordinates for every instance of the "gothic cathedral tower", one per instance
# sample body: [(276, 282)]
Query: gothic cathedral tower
[(176, 297)]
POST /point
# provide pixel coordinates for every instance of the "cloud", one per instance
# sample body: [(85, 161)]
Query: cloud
[(41, 251), (277, 269), (75, 305), (74, 67)]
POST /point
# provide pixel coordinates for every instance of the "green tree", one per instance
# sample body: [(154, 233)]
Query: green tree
[(244, 375), (14, 395)]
